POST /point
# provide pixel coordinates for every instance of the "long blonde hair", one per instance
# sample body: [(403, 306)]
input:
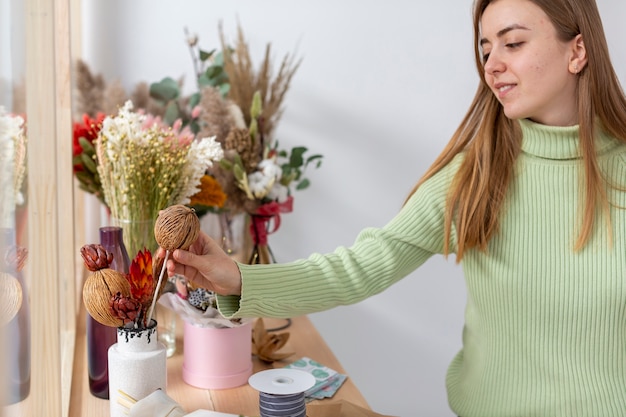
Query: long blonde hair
[(492, 142)]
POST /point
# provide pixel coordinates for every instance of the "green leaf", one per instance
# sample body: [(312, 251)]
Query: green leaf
[(226, 164), (303, 184), (296, 159), (194, 100), (253, 129), (204, 55), (85, 179), (314, 158), (204, 81), (238, 172), (165, 90), (286, 179), (214, 71), (219, 59), (171, 113), (225, 89), (86, 145), (194, 126), (89, 163), (257, 105)]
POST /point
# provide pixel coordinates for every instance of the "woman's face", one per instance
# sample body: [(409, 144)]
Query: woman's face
[(531, 72)]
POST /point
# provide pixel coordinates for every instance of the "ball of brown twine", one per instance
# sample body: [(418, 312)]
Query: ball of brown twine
[(176, 227), (10, 297), (98, 289)]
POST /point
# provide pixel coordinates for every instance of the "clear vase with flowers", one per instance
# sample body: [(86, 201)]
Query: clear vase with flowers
[(145, 166)]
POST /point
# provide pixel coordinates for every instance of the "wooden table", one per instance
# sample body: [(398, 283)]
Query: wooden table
[(304, 340)]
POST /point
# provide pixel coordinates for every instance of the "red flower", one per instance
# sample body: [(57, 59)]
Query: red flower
[(89, 130), (141, 280)]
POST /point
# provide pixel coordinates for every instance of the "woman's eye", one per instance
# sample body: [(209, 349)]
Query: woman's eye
[(514, 45), (485, 57)]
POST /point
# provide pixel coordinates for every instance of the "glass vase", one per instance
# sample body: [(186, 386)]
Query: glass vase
[(17, 346), (137, 367), (138, 235), (100, 337)]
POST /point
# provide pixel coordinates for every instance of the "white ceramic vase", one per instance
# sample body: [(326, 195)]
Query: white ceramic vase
[(137, 367)]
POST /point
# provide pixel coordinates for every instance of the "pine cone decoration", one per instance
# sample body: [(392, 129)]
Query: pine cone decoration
[(239, 142), (124, 308), (250, 152), (96, 257)]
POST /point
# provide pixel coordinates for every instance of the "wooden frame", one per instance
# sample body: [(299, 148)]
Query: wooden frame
[(51, 244)]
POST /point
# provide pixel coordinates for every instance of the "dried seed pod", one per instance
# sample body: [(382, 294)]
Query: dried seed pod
[(16, 257), (176, 227), (10, 297), (125, 308), (265, 345), (96, 257), (100, 286)]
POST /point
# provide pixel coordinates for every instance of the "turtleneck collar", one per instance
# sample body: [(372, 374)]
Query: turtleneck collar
[(559, 142)]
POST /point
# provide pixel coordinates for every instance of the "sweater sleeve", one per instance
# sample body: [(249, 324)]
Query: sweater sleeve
[(378, 258)]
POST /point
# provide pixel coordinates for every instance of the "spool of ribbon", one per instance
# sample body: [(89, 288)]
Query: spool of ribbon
[(281, 391)]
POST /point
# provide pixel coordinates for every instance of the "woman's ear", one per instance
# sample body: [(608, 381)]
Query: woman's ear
[(578, 59)]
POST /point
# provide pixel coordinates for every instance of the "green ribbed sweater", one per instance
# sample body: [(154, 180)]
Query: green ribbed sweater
[(545, 327)]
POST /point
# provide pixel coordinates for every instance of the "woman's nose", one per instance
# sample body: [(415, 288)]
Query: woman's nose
[(494, 64)]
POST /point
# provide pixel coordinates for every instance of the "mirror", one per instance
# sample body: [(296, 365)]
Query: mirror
[(14, 282)]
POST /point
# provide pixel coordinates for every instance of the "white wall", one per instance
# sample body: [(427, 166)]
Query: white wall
[(382, 87)]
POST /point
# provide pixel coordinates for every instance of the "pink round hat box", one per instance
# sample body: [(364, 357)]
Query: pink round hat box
[(217, 358)]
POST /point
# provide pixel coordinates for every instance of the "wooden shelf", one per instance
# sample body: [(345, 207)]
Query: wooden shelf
[(304, 340)]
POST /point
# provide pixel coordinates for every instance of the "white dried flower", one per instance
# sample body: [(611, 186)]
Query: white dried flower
[(202, 153), (278, 193), (260, 184), (12, 164), (271, 169)]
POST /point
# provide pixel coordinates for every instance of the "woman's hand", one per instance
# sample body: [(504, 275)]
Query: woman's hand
[(206, 265)]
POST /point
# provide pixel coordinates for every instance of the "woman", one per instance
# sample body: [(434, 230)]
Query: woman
[(529, 195)]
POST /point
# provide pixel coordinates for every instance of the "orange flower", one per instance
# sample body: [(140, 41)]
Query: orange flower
[(210, 194), (141, 280)]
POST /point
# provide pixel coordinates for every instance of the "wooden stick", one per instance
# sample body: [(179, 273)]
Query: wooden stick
[(156, 291)]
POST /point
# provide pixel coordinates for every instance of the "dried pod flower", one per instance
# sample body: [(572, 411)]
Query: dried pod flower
[(176, 227), (265, 345), (16, 257), (100, 286), (10, 297), (96, 257), (124, 308)]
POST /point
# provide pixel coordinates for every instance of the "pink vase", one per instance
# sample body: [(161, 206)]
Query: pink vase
[(217, 358)]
